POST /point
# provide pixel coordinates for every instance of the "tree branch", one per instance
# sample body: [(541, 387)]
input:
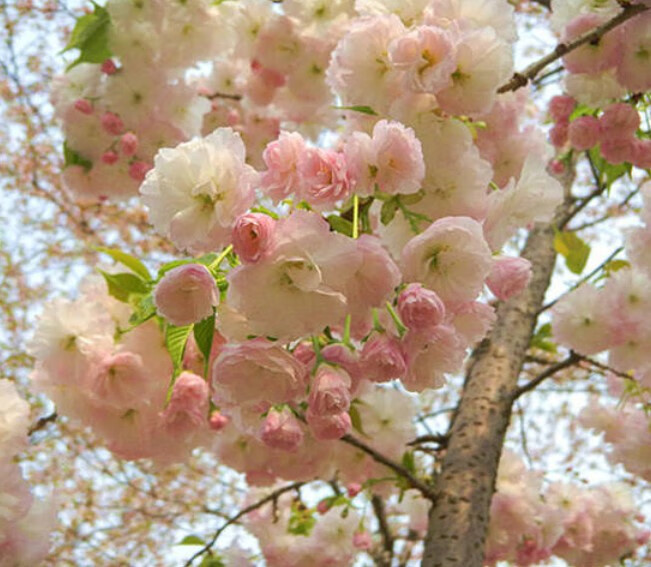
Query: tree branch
[(233, 519), (520, 79), (414, 482), (571, 360), (41, 423)]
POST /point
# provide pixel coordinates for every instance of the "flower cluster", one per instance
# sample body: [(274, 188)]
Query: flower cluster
[(25, 522)]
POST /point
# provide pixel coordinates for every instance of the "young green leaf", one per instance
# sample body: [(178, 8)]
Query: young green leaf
[(175, 340), (122, 286), (358, 108), (204, 331), (340, 225), (71, 157), (573, 249), (131, 262), (91, 37)]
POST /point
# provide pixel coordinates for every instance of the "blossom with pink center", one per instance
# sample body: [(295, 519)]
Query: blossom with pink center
[(282, 157), (584, 132), (253, 236), (382, 359), (186, 294), (188, 408), (427, 54), (596, 56), (329, 392), (324, 177), (508, 276), (281, 430), (254, 371), (580, 322), (329, 427), (120, 380), (420, 308), (451, 257)]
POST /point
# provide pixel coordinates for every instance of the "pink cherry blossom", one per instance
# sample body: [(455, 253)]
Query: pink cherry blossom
[(584, 132), (594, 56), (508, 276), (129, 144), (324, 177), (383, 359), (188, 407), (253, 236), (254, 371), (329, 427), (561, 107), (420, 308), (186, 294), (281, 430), (282, 157), (329, 392)]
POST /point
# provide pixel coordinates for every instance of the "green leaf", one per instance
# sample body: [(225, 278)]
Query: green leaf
[(581, 110), (91, 37), (358, 108), (175, 340), (541, 339), (616, 265), (356, 419), (340, 225), (575, 251), (131, 262), (143, 310), (409, 462), (301, 521), (122, 286), (388, 211), (71, 157), (413, 198), (204, 331), (191, 540), (211, 561), (608, 173)]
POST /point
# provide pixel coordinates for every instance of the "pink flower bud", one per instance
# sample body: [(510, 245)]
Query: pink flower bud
[(329, 427), (420, 308), (252, 236), (129, 144), (584, 133), (330, 392), (383, 359), (112, 123), (509, 276), (84, 106), (353, 489), (218, 421), (110, 157), (556, 166), (323, 506), (642, 154), (558, 134), (188, 407), (138, 170), (186, 294), (108, 67), (281, 430), (561, 107), (362, 540), (617, 150)]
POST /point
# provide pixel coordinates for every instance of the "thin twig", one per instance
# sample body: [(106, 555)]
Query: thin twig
[(385, 530), (233, 519), (571, 360), (414, 482), (41, 423), (520, 79), (441, 439)]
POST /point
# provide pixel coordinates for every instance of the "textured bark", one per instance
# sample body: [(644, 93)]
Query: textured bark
[(458, 519)]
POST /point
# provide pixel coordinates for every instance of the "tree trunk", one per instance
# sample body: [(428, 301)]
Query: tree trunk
[(458, 519)]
